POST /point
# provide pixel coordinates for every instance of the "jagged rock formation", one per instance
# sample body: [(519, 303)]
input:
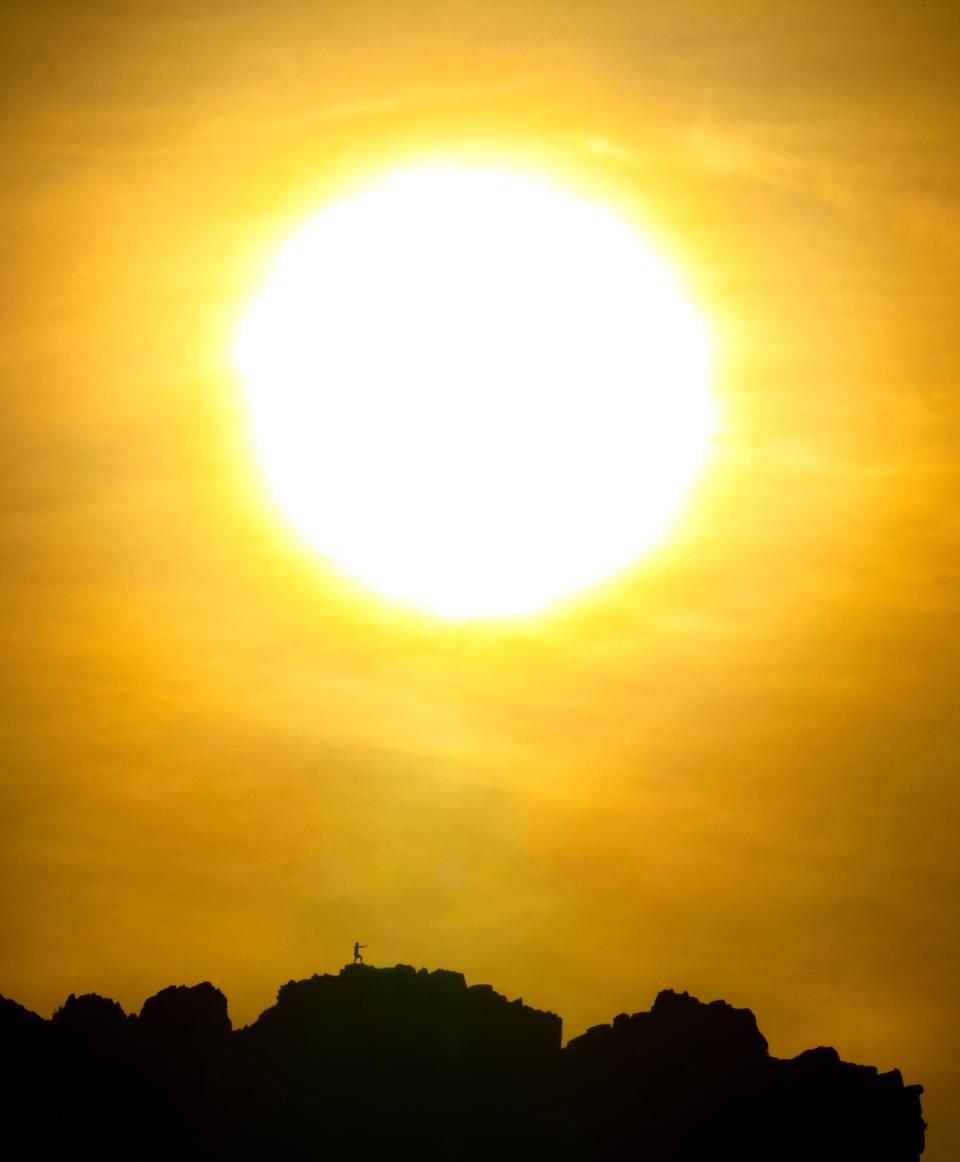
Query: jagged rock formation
[(438, 1062), (411, 1064), (695, 1081)]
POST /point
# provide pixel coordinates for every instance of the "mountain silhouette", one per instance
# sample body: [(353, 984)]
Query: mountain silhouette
[(400, 1062)]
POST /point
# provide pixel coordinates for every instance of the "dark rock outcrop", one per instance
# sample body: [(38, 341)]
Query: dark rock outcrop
[(415, 1064), (192, 1020), (89, 1020), (689, 1080), (405, 1057), (19, 1027)]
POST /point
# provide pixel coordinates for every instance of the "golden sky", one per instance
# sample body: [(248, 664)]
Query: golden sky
[(732, 769)]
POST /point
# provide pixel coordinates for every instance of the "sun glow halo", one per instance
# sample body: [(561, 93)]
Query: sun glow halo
[(474, 392)]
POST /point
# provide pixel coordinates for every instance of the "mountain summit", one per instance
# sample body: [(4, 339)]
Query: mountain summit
[(406, 1063)]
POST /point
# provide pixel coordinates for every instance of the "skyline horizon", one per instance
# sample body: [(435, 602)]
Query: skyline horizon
[(228, 747)]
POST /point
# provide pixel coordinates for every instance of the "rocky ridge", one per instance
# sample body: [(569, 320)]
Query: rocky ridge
[(411, 1063)]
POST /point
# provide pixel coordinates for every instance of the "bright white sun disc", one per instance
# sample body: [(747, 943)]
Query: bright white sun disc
[(474, 392)]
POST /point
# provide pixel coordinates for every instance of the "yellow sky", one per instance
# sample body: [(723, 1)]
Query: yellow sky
[(730, 770)]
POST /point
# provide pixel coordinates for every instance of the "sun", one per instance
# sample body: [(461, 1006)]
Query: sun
[(473, 391)]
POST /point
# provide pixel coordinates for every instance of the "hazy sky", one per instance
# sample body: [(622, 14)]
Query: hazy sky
[(732, 770)]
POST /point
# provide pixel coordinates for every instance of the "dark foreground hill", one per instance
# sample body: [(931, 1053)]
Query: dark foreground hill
[(401, 1063)]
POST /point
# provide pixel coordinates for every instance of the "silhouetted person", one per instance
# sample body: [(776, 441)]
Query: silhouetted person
[(357, 958)]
